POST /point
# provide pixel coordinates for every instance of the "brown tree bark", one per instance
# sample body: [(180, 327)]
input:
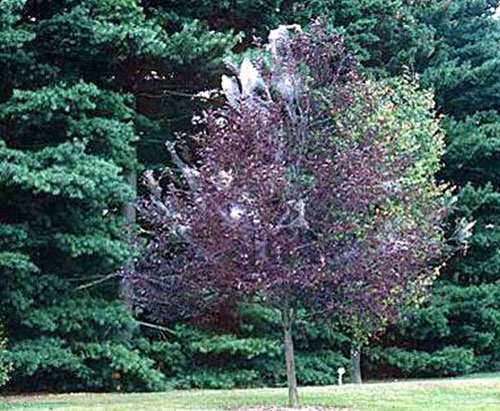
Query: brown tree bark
[(356, 364), (293, 396)]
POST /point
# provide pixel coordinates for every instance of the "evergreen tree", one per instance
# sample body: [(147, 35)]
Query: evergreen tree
[(385, 35), (464, 310), (68, 123)]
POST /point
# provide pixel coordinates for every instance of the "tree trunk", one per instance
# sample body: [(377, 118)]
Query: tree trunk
[(129, 214), (293, 396), (356, 364)]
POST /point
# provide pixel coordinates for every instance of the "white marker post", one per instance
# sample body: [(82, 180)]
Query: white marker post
[(341, 372)]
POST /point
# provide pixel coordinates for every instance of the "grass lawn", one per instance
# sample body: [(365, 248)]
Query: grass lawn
[(478, 393)]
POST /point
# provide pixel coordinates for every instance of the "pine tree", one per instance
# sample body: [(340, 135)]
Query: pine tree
[(68, 125), (385, 35), (464, 310)]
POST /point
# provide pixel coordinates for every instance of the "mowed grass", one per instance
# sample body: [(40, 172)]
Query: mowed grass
[(479, 393)]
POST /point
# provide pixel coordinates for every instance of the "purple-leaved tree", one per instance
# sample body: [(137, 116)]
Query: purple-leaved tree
[(302, 195)]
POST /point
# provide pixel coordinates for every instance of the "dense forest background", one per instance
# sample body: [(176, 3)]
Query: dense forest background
[(91, 91)]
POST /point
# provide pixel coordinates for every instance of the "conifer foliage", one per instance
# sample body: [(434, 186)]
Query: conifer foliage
[(302, 195), (68, 126), (464, 309)]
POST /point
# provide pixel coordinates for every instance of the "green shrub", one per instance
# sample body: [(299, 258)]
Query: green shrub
[(124, 368), (320, 367), (247, 354), (449, 361), (220, 378), (89, 344)]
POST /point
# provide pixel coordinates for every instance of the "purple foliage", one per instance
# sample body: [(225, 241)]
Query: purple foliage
[(291, 199)]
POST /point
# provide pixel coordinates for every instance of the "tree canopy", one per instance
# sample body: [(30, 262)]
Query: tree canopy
[(304, 192)]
